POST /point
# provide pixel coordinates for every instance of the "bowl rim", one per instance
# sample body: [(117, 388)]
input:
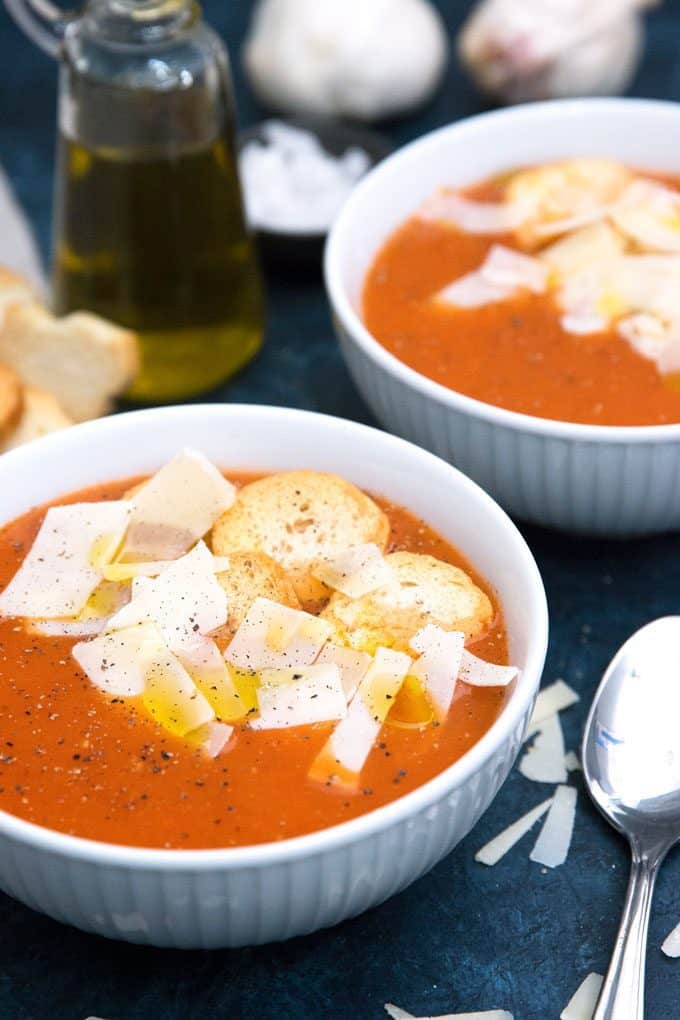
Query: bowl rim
[(360, 336), (334, 837)]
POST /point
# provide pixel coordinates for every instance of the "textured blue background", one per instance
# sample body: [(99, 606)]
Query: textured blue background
[(464, 937)]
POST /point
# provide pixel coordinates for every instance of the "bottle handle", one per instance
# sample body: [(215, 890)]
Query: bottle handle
[(42, 21)]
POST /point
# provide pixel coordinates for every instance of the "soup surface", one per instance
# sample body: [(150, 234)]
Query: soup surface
[(78, 761), (514, 353)]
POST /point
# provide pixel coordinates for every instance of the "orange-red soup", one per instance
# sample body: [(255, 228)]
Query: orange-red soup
[(513, 354), (75, 760)]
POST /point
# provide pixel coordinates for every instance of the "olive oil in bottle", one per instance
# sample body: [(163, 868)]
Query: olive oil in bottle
[(149, 227), (159, 244)]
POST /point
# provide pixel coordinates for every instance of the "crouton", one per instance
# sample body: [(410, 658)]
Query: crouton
[(298, 517), (425, 590), (83, 360), (253, 575), (11, 400), (14, 290), (555, 194), (41, 414)]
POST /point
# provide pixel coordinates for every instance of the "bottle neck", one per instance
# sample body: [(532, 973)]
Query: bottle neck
[(140, 22)]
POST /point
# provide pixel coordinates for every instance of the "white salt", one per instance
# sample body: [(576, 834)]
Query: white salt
[(291, 184)]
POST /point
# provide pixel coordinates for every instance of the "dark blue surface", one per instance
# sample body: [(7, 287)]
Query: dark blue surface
[(464, 937)]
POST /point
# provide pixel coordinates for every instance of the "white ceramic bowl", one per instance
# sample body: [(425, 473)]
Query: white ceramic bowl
[(590, 479), (232, 897)]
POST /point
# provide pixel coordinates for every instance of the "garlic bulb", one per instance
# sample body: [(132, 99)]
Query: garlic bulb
[(365, 59), (549, 49)]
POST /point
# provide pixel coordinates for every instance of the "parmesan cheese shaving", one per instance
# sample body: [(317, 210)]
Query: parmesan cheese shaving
[(438, 665), (117, 663), (503, 273), (506, 267), (473, 291), (171, 696), (653, 338), (589, 245), (562, 196), (128, 571), (583, 323), (544, 761), (480, 673), (291, 697), (355, 572), (645, 333), (175, 508), (67, 628), (452, 209), (554, 228), (582, 1004), (554, 698), (671, 944), (490, 1014), (492, 852), (649, 214), (353, 665), (185, 600), (552, 845), (212, 738), (350, 744), (627, 284), (204, 663), (273, 636), (107, 598), (60, 571)]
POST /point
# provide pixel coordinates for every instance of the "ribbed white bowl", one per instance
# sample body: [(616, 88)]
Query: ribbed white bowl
[(591, 479), (250, 895)]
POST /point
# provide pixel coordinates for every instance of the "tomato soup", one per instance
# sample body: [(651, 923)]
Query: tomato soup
[(514, 353), (78, 761)]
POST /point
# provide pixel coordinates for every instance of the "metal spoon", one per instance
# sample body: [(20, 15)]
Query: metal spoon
[(631, 763)]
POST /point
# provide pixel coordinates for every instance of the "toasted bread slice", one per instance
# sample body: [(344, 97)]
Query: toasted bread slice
[(14, 290), (563, 195), (83, 360), (42, 413), (425, 590), (11, 400), (252, 575), (297, 517)]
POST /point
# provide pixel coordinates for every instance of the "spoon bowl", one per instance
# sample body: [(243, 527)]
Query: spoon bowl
[(631, 750), (631, 765)]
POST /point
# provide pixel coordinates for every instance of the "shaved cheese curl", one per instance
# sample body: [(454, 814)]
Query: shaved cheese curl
[(345, 752), (493, 851), (63, 566), (552, 845)]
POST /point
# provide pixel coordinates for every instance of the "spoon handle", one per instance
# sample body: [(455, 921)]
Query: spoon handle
[(623, 992)]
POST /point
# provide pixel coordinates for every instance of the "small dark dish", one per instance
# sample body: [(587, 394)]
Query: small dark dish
[(335, 137)]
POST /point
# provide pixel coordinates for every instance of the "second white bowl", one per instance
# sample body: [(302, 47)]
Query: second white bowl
[(585, 478)]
